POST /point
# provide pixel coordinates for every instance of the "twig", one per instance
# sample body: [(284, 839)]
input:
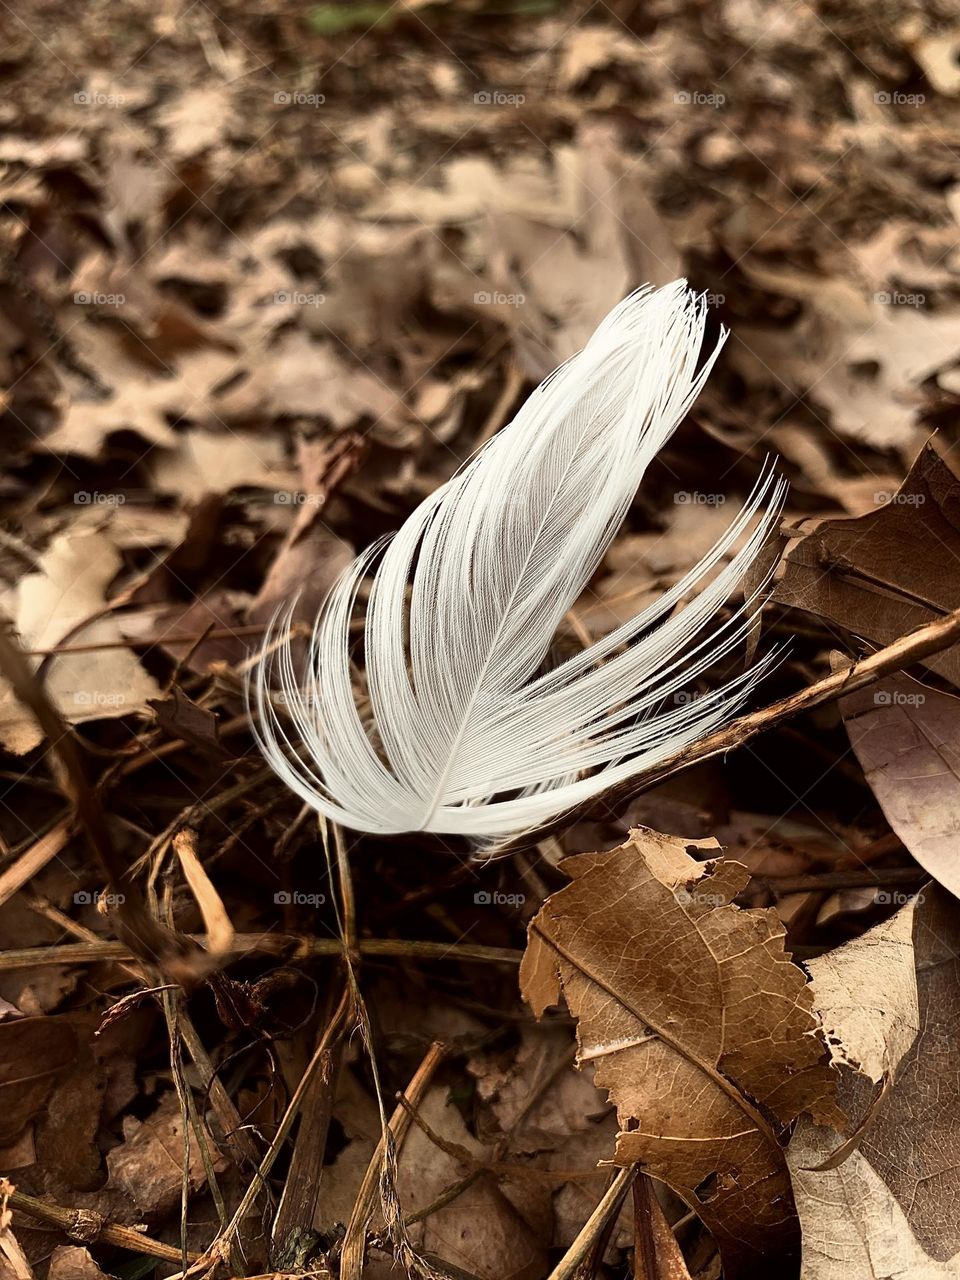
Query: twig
[(270, 944), (34, 859), (569, 1265), (236, 1139), (927, 640), (140, 642), (220, 1248), (839, 880), (301, 1190), (174, 954), (85, 1226), (355, 1241)]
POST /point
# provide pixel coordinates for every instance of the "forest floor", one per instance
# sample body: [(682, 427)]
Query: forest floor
[(269, 274)]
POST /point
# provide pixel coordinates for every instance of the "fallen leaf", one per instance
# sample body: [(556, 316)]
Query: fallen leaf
[(311, 557), (181, 717), (72, 1262), (34, 1054), (66, 600), (147, 1168), (206, 461), (882, 575), (891, 1002), (907, 739), (197, 119), (696, 1021), (937, 54)]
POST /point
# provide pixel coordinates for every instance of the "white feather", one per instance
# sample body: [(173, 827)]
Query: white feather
[(466, 732)]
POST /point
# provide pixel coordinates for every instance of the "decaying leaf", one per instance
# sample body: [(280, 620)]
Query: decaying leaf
[(184, 718), (882, 575), (34, 1054), (888, 1209), (907, 738), (66, 601), (865, 995), (146, 1170), (73, 1262), (696, 1021)]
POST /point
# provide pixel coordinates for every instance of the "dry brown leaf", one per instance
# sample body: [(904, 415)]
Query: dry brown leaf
[(907, 739), (72, 1262), (890, 1001), (938, 54), (206, 461), (882, 575), (311, 557), (34, 1053), (865, 994), (546, 1109), (588, 47), (302, 378), (197, 119), (480, 1232), (181, 717), (147, 1168), (696, 1021), (57, 603)]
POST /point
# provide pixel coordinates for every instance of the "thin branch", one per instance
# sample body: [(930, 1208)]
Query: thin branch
[(930, 639), (173, 954), (926, 641), (355, 1241), (220, 1249), (86, 1226), (569, 1265), (269, 944)]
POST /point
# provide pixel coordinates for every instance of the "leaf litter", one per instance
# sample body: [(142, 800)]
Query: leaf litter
[(268, 278)]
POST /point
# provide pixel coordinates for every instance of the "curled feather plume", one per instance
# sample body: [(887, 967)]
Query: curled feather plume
[(467, 729)]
